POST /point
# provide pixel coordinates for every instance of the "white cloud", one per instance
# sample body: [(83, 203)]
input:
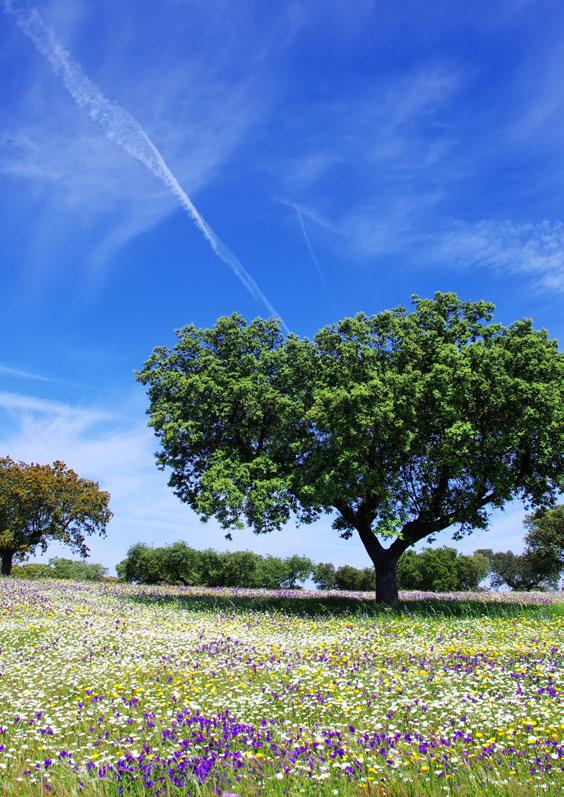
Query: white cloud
[(393, 128), (415, 228), (19, 402), (119, 454), (414, 153), (533, 250)]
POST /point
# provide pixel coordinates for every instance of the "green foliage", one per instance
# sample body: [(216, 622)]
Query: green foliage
[(433, 569), (515, 571), (62, 569), (239, 568), (39, 503), (324, 576), (142, 565), (31, 571), (400, 424), (540, 564), (472, 570), (298, 570), (544, 542), (354, 578), (180, 564), (441, 570)]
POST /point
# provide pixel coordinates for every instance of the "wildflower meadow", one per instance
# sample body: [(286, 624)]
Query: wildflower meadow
[(117, 689)]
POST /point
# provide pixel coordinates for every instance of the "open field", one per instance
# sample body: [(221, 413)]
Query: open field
[(107, 687)]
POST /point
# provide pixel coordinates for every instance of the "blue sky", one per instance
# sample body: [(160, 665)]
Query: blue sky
[(348, 154)]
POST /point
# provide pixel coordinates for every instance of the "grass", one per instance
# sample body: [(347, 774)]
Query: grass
[(341, 606)]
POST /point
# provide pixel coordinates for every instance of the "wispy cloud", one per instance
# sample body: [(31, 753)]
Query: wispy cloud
[(394, 127), (392, 145), (422, 235), (314, 259), (532, 250), (58, 167), (124, 131), (413, 155), (20, 373), (23, 403), (118, 454)]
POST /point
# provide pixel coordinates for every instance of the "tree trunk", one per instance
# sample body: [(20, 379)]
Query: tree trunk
[(386, 579), (7, 557), (385, 563)]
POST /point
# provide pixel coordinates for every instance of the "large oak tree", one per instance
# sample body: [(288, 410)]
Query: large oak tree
[(40, 503), (400, 424)]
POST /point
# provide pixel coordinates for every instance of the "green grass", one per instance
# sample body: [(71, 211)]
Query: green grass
[(342, 607), (475, 784)]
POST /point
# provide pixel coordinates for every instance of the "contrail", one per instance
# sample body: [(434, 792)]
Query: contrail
[(19, 373), (121, 128), (311, 251), (316, 263)]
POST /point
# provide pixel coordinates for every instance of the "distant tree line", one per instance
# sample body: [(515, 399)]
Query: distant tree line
[(440, 569), (434, 569), (71, 569), (431, 570), (180, 564)]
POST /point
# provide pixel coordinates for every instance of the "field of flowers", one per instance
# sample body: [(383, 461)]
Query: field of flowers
[(109, 689)]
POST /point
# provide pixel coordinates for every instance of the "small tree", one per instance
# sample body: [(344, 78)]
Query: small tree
[(141, 565), (297, 570), (179, 564), (515, 571), (441, 570), (211, 567), (354, 578), (544, 542), (472, 570), (31, 571), (324, 575), (172, 564), (400, 424), (72, 569), (76, 570), (40, 503), (542, 561), (240, 569), (272, 572)]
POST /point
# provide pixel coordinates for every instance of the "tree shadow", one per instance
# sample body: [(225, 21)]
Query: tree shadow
[(338, 606)]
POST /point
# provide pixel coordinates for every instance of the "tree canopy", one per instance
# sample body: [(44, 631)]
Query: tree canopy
[(40, 503), (544, 541), (65, 569), (441, 569), (542, 561), (180, 564), (401, 424)]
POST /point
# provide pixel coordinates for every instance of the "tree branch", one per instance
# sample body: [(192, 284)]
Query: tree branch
[(362, 522), (422, 526)]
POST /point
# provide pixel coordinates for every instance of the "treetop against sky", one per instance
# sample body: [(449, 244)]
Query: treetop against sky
[(181, 163)]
